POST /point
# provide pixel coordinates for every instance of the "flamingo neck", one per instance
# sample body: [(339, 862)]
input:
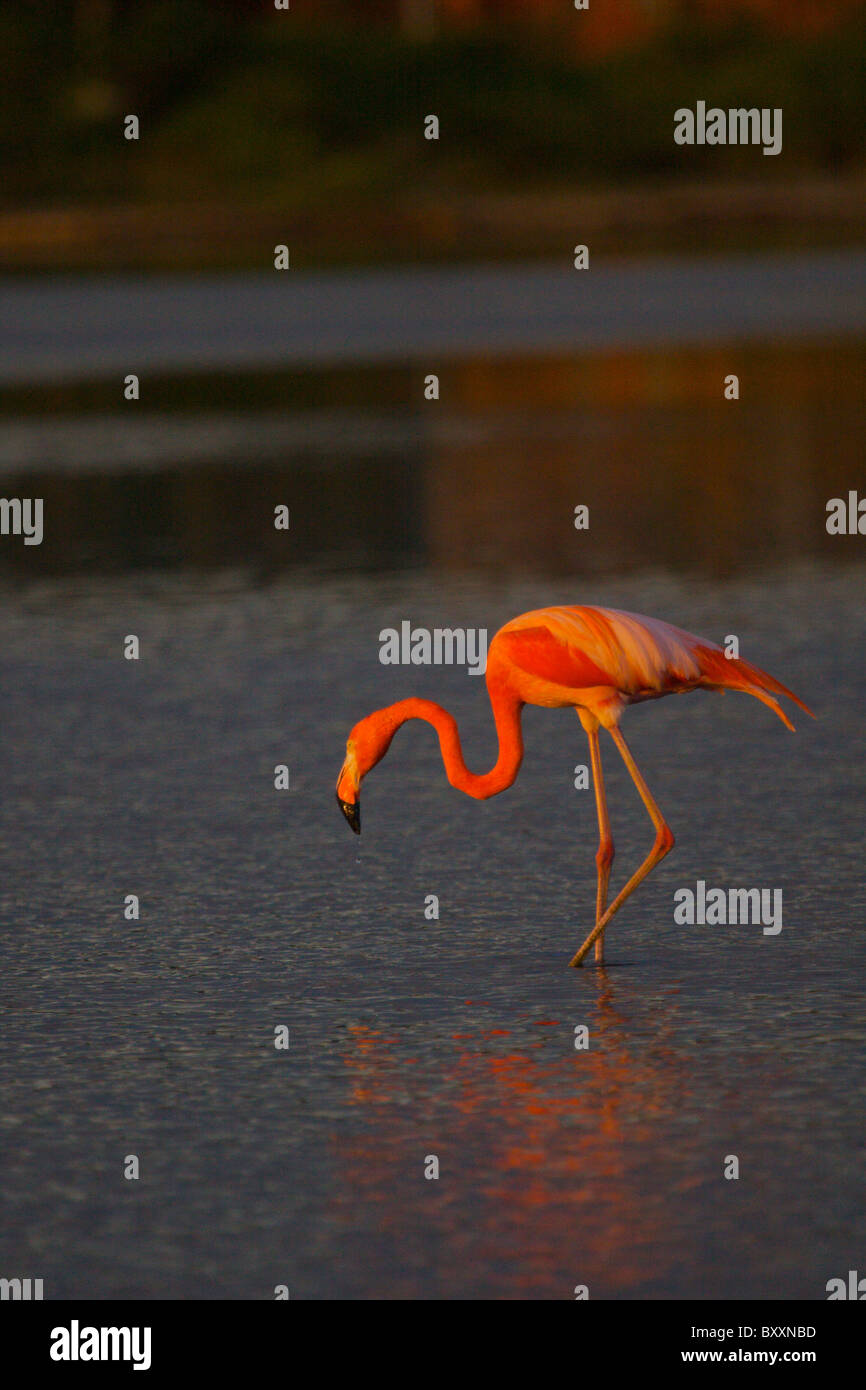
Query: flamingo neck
[(506, 714)]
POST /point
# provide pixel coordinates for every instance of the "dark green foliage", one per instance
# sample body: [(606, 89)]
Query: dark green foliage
[(267, 110)]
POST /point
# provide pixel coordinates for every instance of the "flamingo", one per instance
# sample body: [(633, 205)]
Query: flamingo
[(597, 661)]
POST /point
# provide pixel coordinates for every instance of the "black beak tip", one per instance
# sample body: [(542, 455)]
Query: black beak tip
[(352, 811)]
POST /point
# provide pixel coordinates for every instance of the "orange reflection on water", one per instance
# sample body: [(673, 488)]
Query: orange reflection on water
[(550, 1166)]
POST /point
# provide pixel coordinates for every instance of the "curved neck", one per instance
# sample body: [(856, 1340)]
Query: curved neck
[(506, 713)]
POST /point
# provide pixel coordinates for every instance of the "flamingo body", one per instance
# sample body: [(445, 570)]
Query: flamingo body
[(615, 659), (597, 661)]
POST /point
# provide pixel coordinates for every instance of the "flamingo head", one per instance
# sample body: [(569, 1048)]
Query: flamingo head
[(366, 745), (349, 793), (358, 761)]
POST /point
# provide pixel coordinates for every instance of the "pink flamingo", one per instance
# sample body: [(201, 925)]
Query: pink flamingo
[(595, 660)]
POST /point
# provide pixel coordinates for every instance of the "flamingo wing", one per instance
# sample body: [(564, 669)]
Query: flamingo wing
[(640, 658)]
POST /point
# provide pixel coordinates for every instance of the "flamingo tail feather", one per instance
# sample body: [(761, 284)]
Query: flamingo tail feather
[(733, 673)]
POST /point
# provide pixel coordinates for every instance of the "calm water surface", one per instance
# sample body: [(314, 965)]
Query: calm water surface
[(412, 1038)]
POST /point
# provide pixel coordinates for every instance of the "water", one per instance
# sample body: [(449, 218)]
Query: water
[(80, 327), (487, 478), (410, 1037)]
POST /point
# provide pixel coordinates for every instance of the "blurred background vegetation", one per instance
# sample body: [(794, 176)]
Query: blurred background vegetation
[(308, 125)]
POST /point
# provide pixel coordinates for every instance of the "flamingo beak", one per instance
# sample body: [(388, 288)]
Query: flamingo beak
[(352, 811)]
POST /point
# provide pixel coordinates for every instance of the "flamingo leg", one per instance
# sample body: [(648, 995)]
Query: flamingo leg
[(664, 843), (604, 857)]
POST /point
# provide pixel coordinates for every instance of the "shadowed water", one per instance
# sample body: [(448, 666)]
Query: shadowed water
[(409, 1037)]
